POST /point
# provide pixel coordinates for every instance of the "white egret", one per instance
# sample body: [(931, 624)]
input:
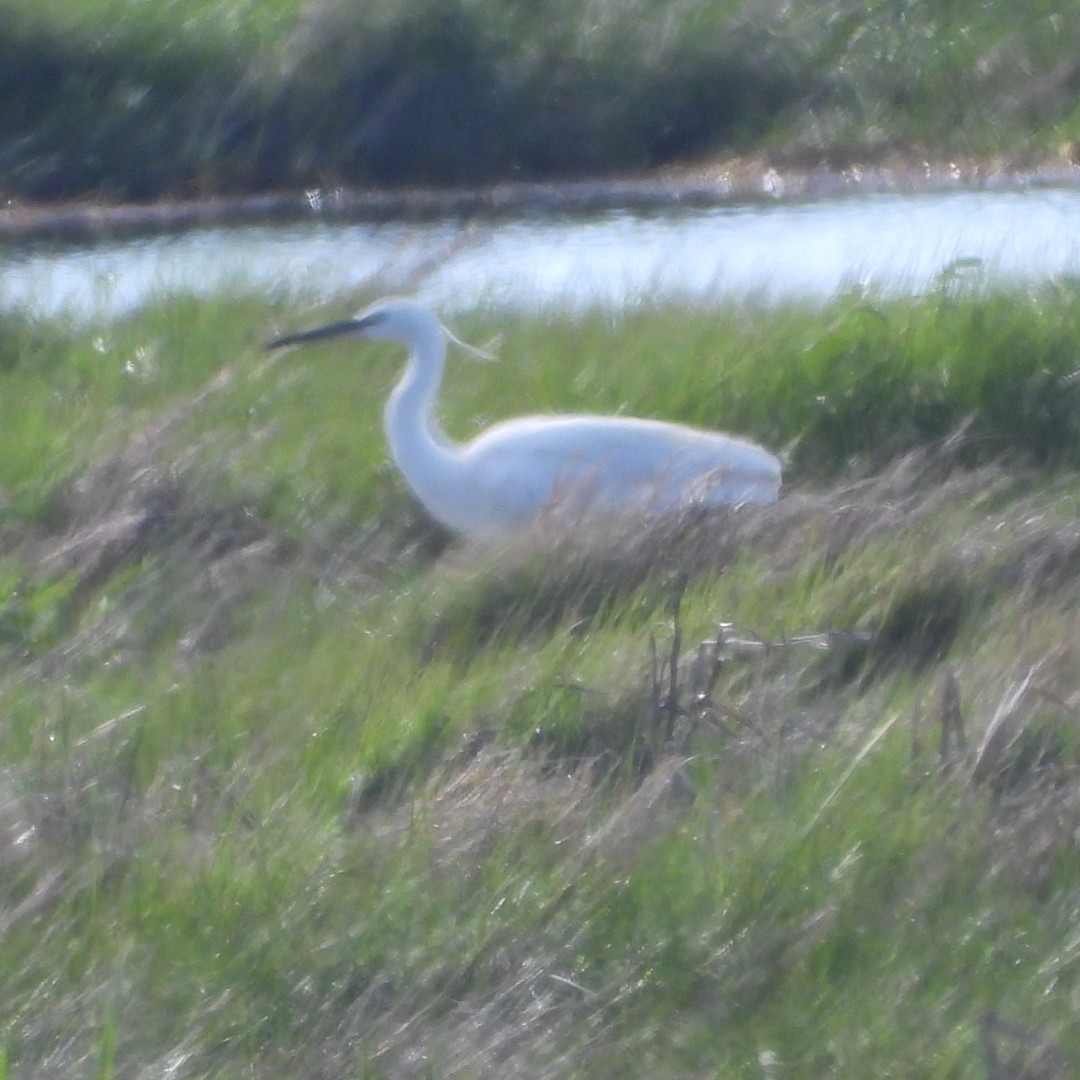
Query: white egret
[(514, 470)]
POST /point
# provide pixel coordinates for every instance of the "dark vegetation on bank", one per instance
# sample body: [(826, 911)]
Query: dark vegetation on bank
[(119, 100)]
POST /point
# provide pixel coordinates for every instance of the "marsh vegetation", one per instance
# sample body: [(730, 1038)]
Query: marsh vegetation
[(291, 785)]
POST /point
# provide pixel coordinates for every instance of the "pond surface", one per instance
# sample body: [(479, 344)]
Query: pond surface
[(770, 251)]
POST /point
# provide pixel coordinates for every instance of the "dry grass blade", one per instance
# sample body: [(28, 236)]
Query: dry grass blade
[(863, 752), (1005, 727)]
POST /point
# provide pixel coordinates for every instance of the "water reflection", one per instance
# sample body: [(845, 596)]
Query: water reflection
[(773, 251)]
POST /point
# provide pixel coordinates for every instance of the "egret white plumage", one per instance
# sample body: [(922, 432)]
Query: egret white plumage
[(511, 472)]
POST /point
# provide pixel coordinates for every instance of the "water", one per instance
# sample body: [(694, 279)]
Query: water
[(770, 251)]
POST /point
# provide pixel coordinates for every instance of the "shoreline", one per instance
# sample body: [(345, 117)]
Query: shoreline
[(700, 186)]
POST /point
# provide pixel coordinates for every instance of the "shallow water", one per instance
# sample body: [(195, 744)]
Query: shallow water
[(770, 251)]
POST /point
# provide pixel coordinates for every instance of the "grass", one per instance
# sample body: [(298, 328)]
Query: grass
[(290, 785), (118, 100)]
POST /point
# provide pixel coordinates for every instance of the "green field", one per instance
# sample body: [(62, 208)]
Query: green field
[(119, 99), (293, 786)]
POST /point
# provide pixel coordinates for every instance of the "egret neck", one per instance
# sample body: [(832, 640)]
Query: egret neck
[(428, 460)]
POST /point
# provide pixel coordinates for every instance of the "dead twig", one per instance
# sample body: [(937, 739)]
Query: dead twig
[(953, 743)]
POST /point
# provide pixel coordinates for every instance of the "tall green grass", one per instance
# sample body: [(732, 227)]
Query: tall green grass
[(289, 785), (129, 101)]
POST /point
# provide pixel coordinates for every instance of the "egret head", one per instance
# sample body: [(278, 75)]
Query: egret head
[(390, 319)]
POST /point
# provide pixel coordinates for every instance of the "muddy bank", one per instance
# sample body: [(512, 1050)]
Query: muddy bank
[(691, 186)]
